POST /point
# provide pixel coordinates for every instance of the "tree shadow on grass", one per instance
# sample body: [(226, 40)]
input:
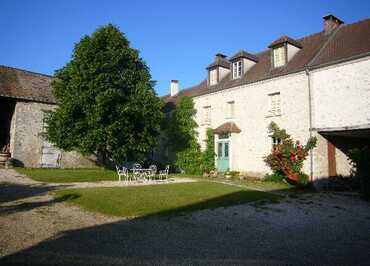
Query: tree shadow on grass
[(211, 237), (231, 199), (27, 206), (155, 239), (13, 192)]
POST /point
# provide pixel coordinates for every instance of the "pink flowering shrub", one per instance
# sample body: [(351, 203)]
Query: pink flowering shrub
[(287, 157)]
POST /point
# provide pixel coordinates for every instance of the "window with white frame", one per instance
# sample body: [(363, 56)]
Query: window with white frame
[(275, 142), (230, 109), (237, 69), (212, 77), (279, 56), (274, 104), (207, 115)]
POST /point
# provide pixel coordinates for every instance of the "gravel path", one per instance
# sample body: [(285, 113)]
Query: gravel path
[(320, 228)]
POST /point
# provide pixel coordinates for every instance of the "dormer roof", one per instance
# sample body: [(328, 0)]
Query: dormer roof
[(220, 60), (319, 49), (243, 54), (285, 39)]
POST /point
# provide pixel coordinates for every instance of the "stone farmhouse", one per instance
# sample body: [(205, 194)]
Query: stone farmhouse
[(24, 98), (318, 85)]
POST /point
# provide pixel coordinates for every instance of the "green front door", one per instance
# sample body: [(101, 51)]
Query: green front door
[(223, 148)]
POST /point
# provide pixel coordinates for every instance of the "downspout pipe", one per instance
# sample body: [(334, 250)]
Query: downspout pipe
[(307, 70)]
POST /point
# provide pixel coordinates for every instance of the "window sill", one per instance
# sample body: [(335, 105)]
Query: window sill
[(273, 115), (206, 124)]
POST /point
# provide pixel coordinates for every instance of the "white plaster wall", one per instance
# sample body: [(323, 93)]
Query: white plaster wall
[(341, 95), (251, 115), (248, 64), (223, 72), (292, 50)]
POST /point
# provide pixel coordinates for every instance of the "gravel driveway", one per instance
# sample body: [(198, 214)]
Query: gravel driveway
[(320, 228)]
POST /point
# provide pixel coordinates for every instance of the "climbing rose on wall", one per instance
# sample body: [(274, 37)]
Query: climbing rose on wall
[(287, 157)]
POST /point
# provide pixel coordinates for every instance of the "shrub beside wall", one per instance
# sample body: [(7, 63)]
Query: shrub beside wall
[(287, 157)]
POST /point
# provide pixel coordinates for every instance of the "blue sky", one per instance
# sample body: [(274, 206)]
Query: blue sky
[(177, 39)]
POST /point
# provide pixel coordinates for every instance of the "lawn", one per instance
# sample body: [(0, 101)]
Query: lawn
[(251, 182), (69, 175), (161, 199)]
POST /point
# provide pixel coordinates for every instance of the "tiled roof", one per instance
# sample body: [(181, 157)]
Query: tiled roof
[(285, 39), (26, 85), (244, 54), (349, 41), (317, 49), (228, 127), (220, 61)]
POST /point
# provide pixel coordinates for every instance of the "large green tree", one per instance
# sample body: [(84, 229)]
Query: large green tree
[(106, 101)]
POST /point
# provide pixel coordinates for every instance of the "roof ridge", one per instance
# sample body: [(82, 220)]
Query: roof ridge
[(300, 39), (331, 36), (354, 23), (26, 71)]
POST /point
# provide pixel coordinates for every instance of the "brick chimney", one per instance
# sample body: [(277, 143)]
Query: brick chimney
[(220, 56), (174, 87), (331, 22)]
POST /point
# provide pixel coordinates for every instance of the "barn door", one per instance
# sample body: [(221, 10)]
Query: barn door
[(50, 156), (331, 160)]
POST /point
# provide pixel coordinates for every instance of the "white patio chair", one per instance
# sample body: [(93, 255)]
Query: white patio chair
[(122, 172), (163, 174), (152, 171), (136, 171)]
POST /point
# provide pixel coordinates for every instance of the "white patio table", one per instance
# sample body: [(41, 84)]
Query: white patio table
[(141, 173)]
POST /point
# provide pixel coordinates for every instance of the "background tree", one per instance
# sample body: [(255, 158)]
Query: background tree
[(208, 156), (182, 137), (106, 101)]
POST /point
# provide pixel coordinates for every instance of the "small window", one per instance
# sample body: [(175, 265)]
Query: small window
[(279, 56), (207, 115), (213, 77), (230, 109), (274, 104), (275, 142), (226, 155), (237, 69), (219, 151)]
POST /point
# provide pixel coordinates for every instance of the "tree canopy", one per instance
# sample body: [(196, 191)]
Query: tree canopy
[(182, 137), (106, 101)]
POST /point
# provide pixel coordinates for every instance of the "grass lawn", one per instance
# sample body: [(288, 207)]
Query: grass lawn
[(69, 175), (161, 199), (253, 183)]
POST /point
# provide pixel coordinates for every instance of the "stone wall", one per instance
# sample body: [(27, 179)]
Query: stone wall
[(251, 115), (27, 139), (341, 95), (340, 98)]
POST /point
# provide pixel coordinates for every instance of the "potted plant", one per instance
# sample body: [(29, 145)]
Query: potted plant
[(4, 154), (227, 174)]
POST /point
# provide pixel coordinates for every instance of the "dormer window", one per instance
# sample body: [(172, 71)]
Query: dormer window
[(237, 69), (279, 56), (241, 63), (218, 69), (283, 50)]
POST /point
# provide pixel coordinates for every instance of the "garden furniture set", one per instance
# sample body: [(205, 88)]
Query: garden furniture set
[(138, 173)]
